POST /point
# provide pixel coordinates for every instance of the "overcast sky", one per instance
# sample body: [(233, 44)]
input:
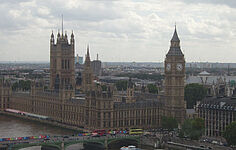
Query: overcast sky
[(120, 30)]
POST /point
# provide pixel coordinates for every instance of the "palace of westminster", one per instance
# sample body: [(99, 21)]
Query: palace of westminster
[(90, 106)]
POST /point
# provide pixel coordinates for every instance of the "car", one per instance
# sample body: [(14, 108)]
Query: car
[(65, 136), (214, 142), (46, 139), (209, 147), (202, 146), (96, 135)]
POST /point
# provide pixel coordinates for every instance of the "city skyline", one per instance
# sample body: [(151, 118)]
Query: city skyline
[(120, 31)]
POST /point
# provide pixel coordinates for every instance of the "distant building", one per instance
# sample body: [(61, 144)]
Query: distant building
[(191, 113), (5, 93), (217, 114), (79, 59), (97, 67), (216, 85)]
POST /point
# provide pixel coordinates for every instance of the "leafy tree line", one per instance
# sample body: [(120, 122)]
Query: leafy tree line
[(22, 85), (169, 123), (152, 88), (230, 133), (192, 128), (122, 85), (194, 92)]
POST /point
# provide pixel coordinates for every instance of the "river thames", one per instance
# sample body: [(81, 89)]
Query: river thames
[(17, 127)]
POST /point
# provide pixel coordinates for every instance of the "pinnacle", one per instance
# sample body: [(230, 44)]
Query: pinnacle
[(175, 37)]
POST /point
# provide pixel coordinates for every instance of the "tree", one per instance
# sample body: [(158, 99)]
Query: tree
[(169, 123), (230, 133), (194, 92), (22, 85), (121, 85), (152, 88), (193, 128), (104, 87)]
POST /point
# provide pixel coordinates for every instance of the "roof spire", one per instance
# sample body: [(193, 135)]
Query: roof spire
[(175, 37), (62, 24), (175, 45), (52, 35), (88, 50), (72, 34), (87, 59)]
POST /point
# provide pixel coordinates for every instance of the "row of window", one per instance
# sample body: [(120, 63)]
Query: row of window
[(65, 64)]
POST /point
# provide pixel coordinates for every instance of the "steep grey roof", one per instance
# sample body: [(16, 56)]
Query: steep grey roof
[(209, 79), (175, 37), (175, 50), (204, 73), (190, 111), (224, 103)]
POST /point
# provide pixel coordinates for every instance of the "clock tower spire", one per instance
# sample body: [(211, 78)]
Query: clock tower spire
[(174, 81)]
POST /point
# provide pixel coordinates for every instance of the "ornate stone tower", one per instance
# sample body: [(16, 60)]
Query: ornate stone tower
[(130, 92), (62, 71), (5, 94), (174, 81), (87, 77)]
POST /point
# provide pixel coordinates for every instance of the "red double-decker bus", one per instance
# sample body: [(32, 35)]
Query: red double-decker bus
[(100, 132)]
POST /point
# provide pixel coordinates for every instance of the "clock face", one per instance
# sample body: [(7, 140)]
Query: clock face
[(179, 67), (168, 67)]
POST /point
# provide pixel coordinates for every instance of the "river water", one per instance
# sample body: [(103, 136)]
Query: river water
[(17, 127)]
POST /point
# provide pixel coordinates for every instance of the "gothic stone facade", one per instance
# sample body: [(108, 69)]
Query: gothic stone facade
[(174, 81), (94, 108), (217, 113)]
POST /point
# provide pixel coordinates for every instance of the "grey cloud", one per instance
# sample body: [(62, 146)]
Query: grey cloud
[(95, 11), (230, 3), (107, 23), (8, 23)]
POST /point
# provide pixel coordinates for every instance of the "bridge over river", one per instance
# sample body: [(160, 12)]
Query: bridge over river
[(103, 142)]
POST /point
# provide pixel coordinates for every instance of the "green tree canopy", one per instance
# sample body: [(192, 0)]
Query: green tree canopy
[(104, 87), (22, 85), (193, 128), (121, 85), (169, 123), (194, 92), (230, 133), (152, 88)]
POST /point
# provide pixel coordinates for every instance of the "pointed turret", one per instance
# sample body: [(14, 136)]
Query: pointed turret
[(52, 38), (72, 35), (87, 59), (52, 35), (72, 40), (88, 77), (175, 45), (175, 37), (66, 34), (58, 34), (62, 25)]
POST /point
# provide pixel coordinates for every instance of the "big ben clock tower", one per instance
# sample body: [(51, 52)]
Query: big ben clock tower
[(174, 81)]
